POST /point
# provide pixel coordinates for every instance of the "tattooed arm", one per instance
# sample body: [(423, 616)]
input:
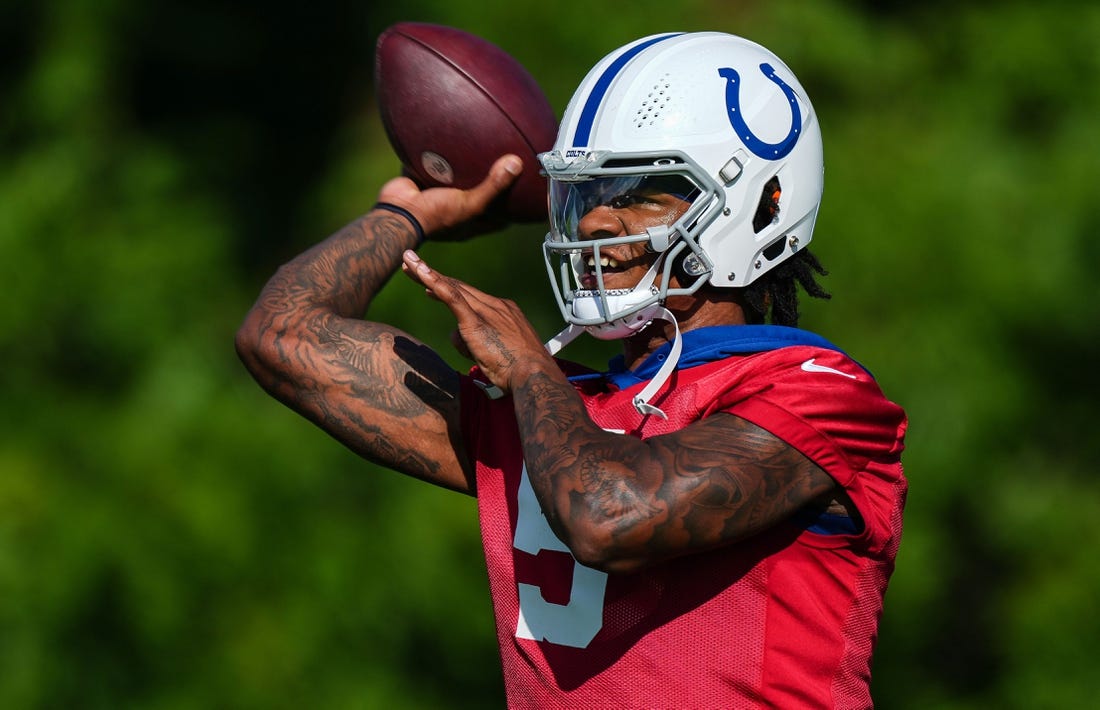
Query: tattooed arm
[(374, 388), (621, 504), (617, 502)]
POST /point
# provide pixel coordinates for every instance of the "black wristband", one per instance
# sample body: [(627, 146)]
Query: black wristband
[(407, 215)]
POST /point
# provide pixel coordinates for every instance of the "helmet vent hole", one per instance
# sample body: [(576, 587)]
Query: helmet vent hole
[(653, 103)]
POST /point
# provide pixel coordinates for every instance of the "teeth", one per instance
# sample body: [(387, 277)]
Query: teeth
[(604, 262)]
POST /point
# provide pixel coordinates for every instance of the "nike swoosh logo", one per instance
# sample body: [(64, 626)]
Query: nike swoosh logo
[(811, 366)]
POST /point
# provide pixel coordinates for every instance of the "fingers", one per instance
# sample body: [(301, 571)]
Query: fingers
[(451, 292), (463, 300), (419, 271), (450, 213), (492, 331), (501, 175)]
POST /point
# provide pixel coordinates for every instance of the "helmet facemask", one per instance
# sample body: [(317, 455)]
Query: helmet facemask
[(578, 263)]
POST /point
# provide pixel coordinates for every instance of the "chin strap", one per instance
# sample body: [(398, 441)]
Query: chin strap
[(566, 336), (641, 400)]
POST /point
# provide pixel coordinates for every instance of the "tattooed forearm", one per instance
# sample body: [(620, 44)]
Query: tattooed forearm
[(350, 267), (622, 502), (591, 483)]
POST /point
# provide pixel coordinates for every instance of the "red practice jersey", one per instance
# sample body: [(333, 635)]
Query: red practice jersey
[(785, 619)]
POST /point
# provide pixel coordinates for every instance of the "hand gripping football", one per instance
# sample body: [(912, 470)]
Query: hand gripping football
[(452, 103)]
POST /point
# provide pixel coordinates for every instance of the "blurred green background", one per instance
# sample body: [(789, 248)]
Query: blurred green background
[(172, 538)]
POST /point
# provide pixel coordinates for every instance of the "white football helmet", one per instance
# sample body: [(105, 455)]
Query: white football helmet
[(719, 116)]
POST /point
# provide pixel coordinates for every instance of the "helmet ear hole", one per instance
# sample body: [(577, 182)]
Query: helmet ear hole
[(768, 207)]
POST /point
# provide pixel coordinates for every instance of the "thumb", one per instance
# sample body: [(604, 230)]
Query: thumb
[(501, 175)]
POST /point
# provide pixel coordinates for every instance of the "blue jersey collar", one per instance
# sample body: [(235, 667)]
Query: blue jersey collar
[(712, 343)]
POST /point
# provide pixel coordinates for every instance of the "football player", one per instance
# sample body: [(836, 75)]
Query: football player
[(710, 522)]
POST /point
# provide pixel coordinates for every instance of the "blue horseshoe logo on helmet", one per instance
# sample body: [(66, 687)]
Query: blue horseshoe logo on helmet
[(768, 151)]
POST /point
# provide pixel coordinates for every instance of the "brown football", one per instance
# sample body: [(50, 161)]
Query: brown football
[(452, 103)]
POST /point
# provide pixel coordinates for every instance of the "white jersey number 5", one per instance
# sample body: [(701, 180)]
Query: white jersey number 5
[(574, 624)]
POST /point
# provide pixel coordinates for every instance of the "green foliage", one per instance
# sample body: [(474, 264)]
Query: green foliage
[(170, 537)]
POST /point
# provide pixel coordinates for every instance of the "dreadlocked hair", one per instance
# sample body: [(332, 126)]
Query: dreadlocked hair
[(777, 290)]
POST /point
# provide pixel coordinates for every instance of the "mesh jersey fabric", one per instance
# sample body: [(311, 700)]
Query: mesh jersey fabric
[(787, 618)]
